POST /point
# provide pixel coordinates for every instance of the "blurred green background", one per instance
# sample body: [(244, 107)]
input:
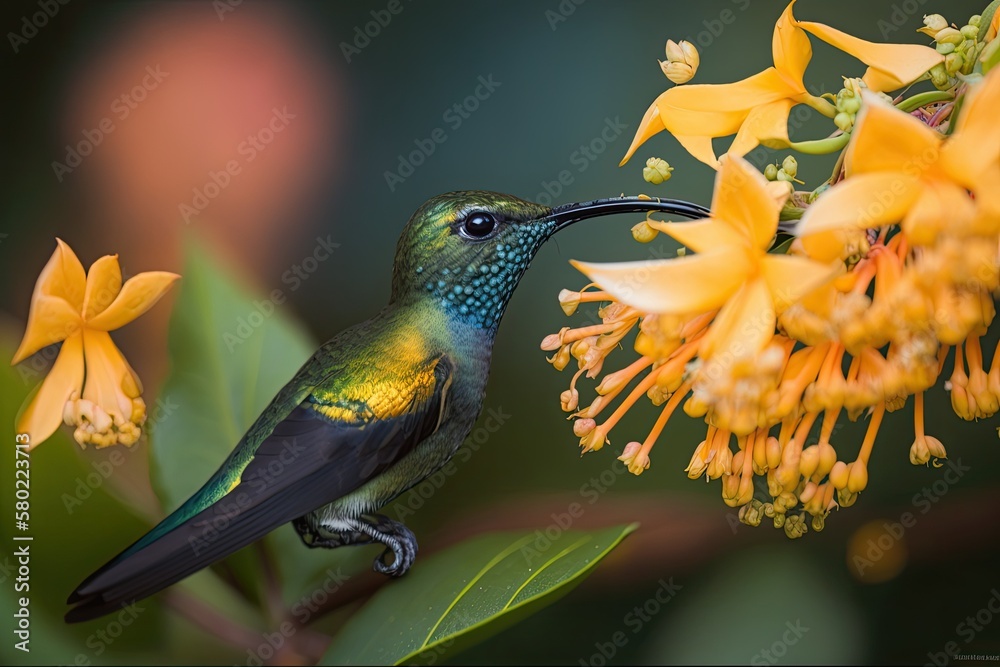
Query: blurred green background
[(568, 82)]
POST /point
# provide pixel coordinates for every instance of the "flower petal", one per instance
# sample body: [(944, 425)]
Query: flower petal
[(792, 277), (50, 320), (63, 276), (745, 324), (891, 66), (104, 281), (699, 147), (700, 235), (137, 296), (107, 375), (650, 124), (766, 124), (44, 412), (941, 206), (790, 47), (887, 139), (742, 199), (975, 144), (863, 201), (709, 110), (690, 284)]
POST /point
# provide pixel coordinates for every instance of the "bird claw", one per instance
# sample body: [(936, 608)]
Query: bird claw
[(400, 543)]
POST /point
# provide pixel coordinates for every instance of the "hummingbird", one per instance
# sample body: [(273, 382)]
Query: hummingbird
[(374, 411)]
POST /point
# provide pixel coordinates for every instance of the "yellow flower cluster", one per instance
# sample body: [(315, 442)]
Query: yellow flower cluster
[(895, 260)]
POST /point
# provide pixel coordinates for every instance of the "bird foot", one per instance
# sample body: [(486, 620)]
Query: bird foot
[(400, 542)]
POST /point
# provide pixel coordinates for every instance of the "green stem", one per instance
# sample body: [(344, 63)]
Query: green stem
[(928, 97), (819, 104), (821, 146)]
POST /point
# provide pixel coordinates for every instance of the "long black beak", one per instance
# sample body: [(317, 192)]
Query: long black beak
[(567, 214)]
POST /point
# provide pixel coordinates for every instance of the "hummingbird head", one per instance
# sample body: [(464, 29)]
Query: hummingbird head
[(468, 249)]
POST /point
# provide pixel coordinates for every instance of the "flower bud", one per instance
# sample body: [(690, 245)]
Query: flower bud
[(752, 513), (944, 48), (682, 61), (949, 35), (675, 54), (975, 20), (844, 121), (795, 527), (569, 301), (857, 479), (677, 72), (771, 172), (933, 23), (560, 359), (582, 427), (970, 32), (569, 400), (656, 171), (634, 459), (773, 450), (839, 475), (642, 232), (809, 461), (939, 77), (953, 63), (721, 463), (790, 166), (699, 461)]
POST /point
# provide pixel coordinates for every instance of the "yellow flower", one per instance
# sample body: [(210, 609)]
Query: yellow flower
[(900, 170), (91, 385), (756, 108), (731, 269)]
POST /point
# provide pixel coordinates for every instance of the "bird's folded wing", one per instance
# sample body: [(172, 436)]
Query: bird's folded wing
[(319, 452)]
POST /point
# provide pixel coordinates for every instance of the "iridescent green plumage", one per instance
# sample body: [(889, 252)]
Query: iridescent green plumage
[(377, 408)]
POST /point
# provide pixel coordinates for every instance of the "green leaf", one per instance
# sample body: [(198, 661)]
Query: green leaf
[(986, 18), (230, 352), (782, 247), (990, 56), (468, 593)]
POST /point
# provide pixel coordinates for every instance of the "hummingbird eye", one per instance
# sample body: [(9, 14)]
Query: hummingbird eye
[(478, 225)]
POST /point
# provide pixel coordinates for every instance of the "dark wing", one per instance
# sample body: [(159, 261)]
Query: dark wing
[(308, 461)]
